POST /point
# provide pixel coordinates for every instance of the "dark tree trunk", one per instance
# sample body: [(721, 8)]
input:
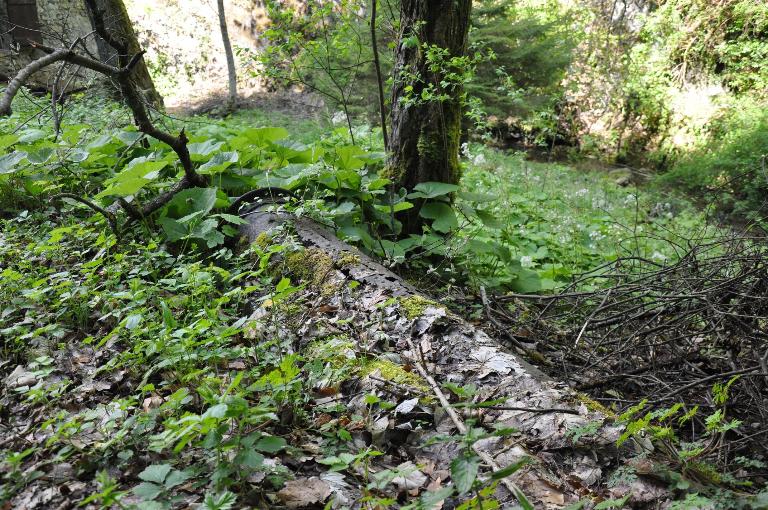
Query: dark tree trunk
[(121, 44), (424, 140)]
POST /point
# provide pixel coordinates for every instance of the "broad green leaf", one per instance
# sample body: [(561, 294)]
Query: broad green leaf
[(270, 444), (346, 157), (432, 189), (433, 499), (289, 150), (9, 162), (527, 282), (147, 491), (250, 458), (488, 219), (513, 468), (8, 140), (201, 151), (155, 473), (400, 206), (216, 411), (219, 162), (40, 156), (262, 136), (77, 155), (32, 135), (377, 184), (99, 142), (231, 218), (175, 478), (444, 217), (174, 230), (283, 284), (207, 231), (136, 174), (464, 472), (128, 137), (191, 200), (133, 321)]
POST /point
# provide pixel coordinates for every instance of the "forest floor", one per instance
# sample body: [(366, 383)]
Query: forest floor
[(138, 373)]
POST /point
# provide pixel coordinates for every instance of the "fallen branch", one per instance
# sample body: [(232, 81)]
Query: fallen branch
[(110, 217)]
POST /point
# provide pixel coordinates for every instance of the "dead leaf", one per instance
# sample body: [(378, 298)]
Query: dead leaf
[(412, 477), (152, 402), (406, 406), (304, 492)]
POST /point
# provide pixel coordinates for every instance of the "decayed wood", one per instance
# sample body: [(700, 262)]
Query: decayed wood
[(446, 348)]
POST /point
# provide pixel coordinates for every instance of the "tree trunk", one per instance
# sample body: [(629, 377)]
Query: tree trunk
[(232, 98), (424, 140), (423, 338), (121, 44)]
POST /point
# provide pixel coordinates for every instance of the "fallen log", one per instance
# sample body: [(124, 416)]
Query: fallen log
[(570, 440)]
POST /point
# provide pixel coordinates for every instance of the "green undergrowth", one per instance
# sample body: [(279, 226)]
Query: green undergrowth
[(546, 223), (141, 372), (509, 225)]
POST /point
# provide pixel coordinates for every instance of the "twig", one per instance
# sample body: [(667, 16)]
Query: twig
[(459, 423), (591, 316), (707, 379), (111, 219)]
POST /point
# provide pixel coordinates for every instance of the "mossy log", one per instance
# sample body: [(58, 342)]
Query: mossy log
[(383, 313)]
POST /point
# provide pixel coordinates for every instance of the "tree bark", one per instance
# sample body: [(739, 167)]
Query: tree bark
[(117, 43), (232, 73), (424, 139)]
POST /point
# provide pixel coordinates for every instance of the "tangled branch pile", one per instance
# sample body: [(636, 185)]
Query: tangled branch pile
[(668, 333)]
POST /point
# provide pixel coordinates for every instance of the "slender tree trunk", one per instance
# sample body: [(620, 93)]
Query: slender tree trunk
[(121, 43), (232, 98), (425, 135)]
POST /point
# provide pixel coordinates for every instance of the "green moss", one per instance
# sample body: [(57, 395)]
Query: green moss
[(595, 406), (263, 240), (415, 306), (395, 373), (310, 265), (348, 258)]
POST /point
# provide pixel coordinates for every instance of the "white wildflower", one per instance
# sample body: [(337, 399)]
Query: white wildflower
[(526, 261), (581, 192), (479, 159), (658, 256)]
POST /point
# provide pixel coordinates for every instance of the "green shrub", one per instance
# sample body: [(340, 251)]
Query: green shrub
[(729, 166)]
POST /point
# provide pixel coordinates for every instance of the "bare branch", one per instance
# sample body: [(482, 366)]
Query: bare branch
[(23, 75)]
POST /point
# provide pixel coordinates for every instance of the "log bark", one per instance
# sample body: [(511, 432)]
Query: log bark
[(425, 135), (448, 349)]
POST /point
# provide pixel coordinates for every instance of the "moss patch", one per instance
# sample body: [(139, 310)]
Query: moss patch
[(395, 373), (348, 258), (263, 241), (415, 306), (595, 406), (311, 265)]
